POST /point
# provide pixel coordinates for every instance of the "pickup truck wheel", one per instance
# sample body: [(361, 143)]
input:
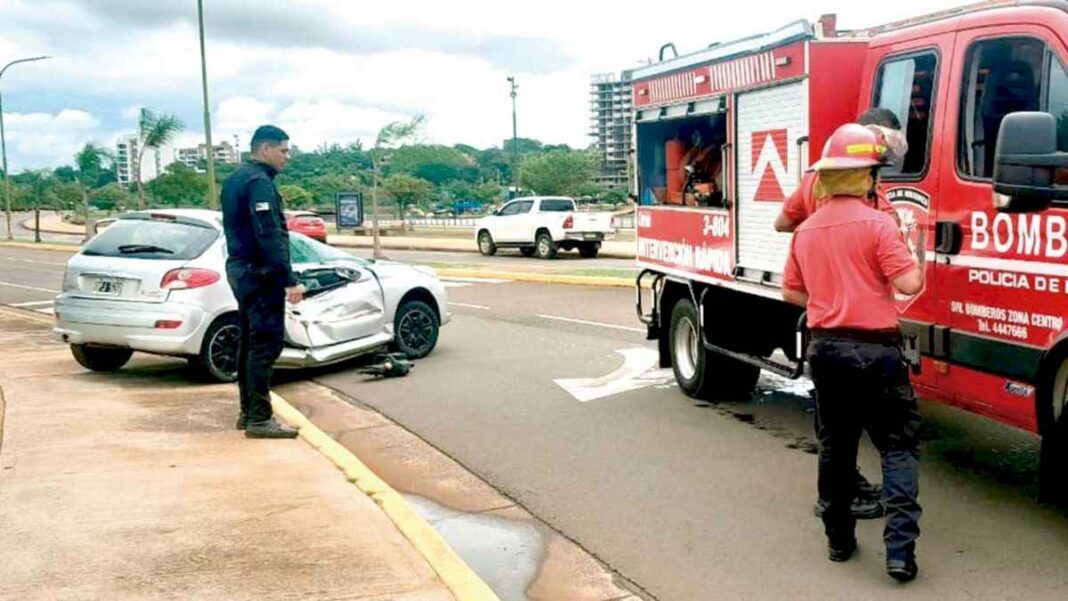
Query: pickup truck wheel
[(416, 326), (589, 251), (217, 361), (486, 245), (1053, 453), (702, 374), (98, 358), (527, 251), (544, 247)]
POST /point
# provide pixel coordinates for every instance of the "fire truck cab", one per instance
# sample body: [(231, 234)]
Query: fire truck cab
[(723, 136)]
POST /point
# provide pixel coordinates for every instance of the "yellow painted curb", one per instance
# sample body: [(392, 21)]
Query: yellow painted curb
[(542, 278), (40, 245), (461, 580)]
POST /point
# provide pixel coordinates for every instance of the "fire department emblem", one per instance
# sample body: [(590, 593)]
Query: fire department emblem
[(769, 155), (912, 208)]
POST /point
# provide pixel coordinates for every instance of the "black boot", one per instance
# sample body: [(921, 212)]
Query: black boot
[(269, 429), (902, 570), (242, 421), (839, 551)]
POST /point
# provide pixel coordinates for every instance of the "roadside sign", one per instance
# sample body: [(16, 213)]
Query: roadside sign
[(348, 209)]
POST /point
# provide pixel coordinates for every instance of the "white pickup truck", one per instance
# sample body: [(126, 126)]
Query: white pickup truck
[(540, 225)]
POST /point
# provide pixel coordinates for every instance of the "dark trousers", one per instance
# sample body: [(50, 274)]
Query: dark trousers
[(261, 318), (865, 386)]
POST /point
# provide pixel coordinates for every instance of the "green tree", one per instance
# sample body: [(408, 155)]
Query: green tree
[(488, 193), (90, 161), (615, 196), (154, 131), (436, 164), (392, 135), (295, 197), (180, 186), (109, 198), (561, 172), (406, 190), (65, 174)]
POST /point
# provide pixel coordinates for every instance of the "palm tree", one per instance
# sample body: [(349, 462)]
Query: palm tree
[(90, 162), (154, 131), (390, 136)]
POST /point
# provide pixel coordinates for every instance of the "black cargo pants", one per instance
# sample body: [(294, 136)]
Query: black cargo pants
[(864, 385), (261, 318)]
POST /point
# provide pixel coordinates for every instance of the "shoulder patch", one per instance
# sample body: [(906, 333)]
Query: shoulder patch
[(262, 206)]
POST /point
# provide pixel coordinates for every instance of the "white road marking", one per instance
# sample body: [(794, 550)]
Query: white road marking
[(48, 311), (638, 371), (18, 260), (593, 323), (20, 286), (33, 303), (470, 306)]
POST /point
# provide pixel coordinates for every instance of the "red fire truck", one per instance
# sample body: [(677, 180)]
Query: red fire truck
[(982, 196)]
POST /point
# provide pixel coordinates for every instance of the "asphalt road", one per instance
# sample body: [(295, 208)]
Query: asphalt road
[(688, 501), (27, 234)]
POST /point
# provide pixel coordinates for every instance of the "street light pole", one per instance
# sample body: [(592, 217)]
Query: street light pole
[(207, 109), (3, 144), (515, 139)]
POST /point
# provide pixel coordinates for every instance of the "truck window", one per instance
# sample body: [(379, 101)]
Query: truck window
[(1057, 105), (1001, 76), (906, 87), (557, 205)]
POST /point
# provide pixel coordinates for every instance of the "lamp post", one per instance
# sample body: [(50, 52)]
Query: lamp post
[(212, 199), (3, 143), (515, 140)]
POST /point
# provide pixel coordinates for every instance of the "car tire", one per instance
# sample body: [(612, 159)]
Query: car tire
[(1053, 426), (544, 247), (700, 373), (486, 246), (416, 327), (217, 361), (589, 251), (98, 358), (527, 251)]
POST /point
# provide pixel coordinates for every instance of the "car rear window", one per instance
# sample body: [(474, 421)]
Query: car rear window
[(152, 239), (557, 206)]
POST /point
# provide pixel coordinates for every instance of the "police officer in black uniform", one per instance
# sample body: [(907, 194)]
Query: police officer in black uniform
[(260, 275)]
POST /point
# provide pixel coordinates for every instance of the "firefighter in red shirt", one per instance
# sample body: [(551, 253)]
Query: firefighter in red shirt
[(845, 263), (804, 201)]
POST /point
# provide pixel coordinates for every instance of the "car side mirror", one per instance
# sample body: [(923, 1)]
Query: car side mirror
[(1025, 162)]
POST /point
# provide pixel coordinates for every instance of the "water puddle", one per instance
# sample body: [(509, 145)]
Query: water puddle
[(506, 554)]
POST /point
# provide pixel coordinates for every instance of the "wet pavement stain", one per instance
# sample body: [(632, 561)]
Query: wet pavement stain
[(504, 553)]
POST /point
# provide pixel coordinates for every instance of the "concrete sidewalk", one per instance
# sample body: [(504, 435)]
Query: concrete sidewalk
[(135, 485)]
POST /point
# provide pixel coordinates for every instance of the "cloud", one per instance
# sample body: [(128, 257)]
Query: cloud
[(42, 139)]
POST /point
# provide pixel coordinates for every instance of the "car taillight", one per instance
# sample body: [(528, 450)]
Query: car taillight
[(186, 278), (569, 222), (168, 324)]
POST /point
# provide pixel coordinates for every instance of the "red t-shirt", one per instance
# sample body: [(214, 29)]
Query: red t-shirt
[(802, 203), (844, 257)]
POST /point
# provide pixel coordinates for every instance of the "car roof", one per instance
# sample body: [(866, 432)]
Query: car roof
[(214, 218)]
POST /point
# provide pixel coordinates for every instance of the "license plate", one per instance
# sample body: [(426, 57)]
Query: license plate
[(591, 236), (109, 286)]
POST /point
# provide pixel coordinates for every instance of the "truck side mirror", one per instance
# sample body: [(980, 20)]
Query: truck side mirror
[(1025, 162)]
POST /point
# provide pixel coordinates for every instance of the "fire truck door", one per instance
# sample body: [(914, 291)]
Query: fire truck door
[(769, 166)]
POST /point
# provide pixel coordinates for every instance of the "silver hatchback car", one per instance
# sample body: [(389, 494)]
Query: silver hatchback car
[(154, 281)]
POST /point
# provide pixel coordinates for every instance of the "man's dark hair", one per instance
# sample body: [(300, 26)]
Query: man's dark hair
[(267, 134), (881, 117)]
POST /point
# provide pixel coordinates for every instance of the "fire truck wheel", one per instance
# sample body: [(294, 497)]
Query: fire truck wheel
[(485, 244), (1053, 454), (545, 248), (702, 374)]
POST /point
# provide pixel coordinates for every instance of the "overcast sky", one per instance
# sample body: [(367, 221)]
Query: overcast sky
[(337, 70)]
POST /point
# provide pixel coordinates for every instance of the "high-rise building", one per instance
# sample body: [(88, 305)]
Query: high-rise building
[(610, 120), (127, 153), (192, 157)]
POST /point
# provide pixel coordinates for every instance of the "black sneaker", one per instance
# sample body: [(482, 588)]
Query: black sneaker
[(242, 421), (902, 570), (269, 429), (862, 508), (839, 552)]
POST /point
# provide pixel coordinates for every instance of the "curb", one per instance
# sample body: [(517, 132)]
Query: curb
[(541, 278), (18, 313), (39, 245), (29, 224), (460, 579), (450, 249)]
